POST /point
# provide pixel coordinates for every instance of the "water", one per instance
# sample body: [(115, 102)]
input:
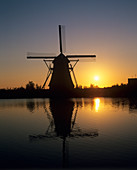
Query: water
[(74, 133)]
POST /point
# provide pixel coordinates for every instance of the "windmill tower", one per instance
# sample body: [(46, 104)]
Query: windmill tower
[(61, 80)]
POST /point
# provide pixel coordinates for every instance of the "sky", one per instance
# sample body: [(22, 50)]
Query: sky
[(105, 28)]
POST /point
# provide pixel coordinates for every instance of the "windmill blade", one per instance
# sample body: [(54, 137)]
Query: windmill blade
[(48, 66), (80, 56), (74, 76), (73, 60), (40, 54), (48, 60), (49, 73), (40, 57), (87, 59), (75, 63), (62, 39)]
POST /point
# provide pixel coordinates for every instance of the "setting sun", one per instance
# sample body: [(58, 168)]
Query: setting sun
[(96, 78)]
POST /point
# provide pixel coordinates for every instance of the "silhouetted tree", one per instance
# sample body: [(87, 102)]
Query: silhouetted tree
[(91, 86), (21, 88), (96, 86), (80, 86), (38, 87), (30, 86)]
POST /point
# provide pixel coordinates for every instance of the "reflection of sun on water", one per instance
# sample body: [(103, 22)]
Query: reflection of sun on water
[(97, 102)]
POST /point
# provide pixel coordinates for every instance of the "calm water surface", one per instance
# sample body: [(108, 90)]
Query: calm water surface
[(74, 133)]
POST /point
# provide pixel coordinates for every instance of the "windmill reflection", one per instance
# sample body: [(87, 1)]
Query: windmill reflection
[(62, 116)]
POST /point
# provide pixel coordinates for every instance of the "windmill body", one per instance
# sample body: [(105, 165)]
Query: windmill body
[(61, 81)]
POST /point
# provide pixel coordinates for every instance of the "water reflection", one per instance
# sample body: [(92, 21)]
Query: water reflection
[(123, 103), (62, 119), (132, 106), (59, 133), (62, 115), (33, 104), (97, 102), (120, 102), (30, 105)]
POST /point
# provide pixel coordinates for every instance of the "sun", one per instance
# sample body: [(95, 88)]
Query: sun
[(96, 78)]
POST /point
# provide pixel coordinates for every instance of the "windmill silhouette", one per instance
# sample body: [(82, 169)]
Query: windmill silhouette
[(62, 116), (61, 80)]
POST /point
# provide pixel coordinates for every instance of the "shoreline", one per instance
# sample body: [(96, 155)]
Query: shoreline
[(114, 92)]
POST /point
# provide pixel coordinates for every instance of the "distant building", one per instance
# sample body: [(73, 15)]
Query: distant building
[(132, 82)]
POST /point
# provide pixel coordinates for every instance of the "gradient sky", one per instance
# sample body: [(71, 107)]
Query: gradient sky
[(106, 28)]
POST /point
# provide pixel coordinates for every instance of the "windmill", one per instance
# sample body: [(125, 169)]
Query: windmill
[(60, 72)]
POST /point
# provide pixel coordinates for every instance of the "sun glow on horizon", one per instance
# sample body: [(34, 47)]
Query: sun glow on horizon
[(96, 78)]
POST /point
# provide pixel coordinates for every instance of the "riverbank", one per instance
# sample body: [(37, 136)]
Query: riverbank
[(116, 91)]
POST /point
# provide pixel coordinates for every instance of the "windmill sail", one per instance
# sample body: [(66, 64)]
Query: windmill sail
[(60, 39)]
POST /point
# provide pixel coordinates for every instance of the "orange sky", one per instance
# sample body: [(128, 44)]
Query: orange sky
[(107, 29)]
